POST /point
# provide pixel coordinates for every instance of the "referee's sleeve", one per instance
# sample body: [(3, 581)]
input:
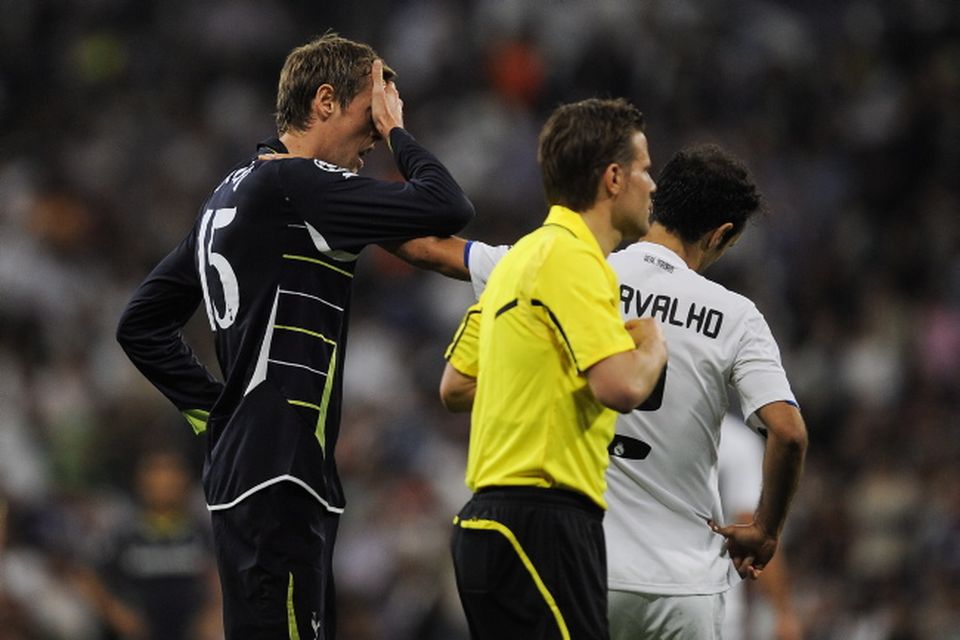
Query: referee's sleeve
[(463, 353)]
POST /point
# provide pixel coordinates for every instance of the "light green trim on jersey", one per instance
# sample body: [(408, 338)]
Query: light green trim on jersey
[(321, 409), (287, 327), (197, 419), (493, 525), (292, 632), (321, 432), (321, 416), (290, 256), (301, 403)]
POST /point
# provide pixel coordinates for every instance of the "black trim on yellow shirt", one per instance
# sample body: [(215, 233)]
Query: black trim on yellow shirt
[(539, 303), (463, 328), (506, 307)]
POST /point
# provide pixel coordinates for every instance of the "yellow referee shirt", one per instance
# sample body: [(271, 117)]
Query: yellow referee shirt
[(549, 312)]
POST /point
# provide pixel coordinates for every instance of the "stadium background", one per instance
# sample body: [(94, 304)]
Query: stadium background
[(117, 116)]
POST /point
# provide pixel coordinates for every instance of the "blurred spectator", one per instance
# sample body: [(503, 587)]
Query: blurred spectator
[(156, 578)]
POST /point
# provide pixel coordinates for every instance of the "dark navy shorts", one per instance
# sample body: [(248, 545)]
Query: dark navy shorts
[(274, 553)]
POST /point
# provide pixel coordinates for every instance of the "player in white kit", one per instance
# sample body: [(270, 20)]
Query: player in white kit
[(667, 569), (668, 562)]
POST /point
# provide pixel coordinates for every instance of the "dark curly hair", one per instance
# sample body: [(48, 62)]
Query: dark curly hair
[(701, 188)]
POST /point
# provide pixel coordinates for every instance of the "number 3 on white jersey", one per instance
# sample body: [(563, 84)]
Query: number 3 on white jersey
[(228, 278)]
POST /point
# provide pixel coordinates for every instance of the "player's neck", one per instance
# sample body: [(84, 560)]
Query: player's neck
[(691, 254), (304, 144)]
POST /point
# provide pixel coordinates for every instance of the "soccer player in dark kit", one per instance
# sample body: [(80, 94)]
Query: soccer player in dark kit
[(271, 257)]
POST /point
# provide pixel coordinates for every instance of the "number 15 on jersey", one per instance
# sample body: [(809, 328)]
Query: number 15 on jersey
[(214, 219)]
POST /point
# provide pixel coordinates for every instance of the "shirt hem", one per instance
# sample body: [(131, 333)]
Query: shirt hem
[(667, 589), (272, 481)]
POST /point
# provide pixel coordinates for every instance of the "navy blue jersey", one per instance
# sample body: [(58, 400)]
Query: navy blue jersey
[(271, 257), (162, 567)]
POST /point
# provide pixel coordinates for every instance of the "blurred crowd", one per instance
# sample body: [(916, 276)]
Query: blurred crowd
[(118, 116)]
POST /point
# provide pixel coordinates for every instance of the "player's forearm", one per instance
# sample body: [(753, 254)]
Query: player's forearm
[(443, 255), (170, 365), (782, 464)]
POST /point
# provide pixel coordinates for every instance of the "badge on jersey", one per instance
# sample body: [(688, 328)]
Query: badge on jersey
[(628, 448)]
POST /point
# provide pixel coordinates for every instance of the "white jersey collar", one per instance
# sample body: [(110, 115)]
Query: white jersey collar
[(660, 252)]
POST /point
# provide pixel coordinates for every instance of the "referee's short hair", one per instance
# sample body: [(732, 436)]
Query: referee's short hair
[(701, 188), (329, 59), (577, 144)]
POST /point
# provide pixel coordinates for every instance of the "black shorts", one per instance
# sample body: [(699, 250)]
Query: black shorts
[(274, 553), (531, 564)]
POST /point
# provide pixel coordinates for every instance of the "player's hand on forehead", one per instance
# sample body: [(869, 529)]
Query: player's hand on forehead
[(376, 73), (386, 107)]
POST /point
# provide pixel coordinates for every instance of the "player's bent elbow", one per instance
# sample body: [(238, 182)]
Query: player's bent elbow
[(457, 217), (466, 211), (796, 439)]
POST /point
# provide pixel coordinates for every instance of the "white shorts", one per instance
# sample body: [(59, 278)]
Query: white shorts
[(647, 616)]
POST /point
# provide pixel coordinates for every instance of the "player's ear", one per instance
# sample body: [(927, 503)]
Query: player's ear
[(324, 101), (720, 236)]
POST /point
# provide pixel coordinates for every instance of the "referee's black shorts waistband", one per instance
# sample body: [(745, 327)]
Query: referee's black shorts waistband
[(540, 495)]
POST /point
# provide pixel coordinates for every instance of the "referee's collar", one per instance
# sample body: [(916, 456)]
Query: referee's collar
[(271, 145), (572, 222)]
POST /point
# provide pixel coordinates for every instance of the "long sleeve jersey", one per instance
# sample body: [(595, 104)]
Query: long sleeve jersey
[(271, 257)]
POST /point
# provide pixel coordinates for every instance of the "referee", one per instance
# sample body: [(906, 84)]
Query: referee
[(271, 257), (668, 572), (542, 360)]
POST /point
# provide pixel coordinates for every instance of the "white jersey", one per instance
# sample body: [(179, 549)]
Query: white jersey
[(662, 479), (481, 258)]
